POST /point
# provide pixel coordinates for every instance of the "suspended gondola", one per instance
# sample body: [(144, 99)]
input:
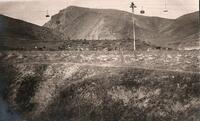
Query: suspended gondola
[(142, 11), (165, 10), (47, 14)]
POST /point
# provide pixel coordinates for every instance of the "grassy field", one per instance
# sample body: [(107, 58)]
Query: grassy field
[(153, 59)]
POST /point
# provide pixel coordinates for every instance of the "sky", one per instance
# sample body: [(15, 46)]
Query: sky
[(34, 11)]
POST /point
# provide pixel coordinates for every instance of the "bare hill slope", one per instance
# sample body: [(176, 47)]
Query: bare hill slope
[(184, 30), (98, 24)]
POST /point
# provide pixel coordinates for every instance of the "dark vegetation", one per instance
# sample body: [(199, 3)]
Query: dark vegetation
[(26, 87), (26, 91), (77, 109), (111, 94)]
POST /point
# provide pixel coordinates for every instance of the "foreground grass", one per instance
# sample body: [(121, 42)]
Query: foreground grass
[(70, 92)]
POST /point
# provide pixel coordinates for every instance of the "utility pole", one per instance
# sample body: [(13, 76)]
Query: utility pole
[(133, 7)]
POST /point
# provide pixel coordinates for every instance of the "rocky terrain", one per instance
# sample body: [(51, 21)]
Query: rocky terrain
[(100, 24)]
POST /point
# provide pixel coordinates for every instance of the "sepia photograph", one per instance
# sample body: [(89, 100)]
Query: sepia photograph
[(99, 60)]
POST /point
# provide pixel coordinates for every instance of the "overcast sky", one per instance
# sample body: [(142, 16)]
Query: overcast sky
[(34, 10)]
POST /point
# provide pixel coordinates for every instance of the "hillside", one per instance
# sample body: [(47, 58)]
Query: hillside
[(99, 24), (184, 31), (16, 33), (20, 35)]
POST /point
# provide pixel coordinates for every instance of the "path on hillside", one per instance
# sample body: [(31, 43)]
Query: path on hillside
[(122, 65)]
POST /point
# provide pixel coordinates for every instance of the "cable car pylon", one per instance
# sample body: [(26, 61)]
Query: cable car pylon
[(133, 7)]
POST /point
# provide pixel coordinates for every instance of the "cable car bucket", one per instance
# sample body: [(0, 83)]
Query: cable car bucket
[(47, 14), (165, 10), (142, 11)]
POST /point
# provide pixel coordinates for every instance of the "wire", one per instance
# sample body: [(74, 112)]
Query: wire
[(165, 4)]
